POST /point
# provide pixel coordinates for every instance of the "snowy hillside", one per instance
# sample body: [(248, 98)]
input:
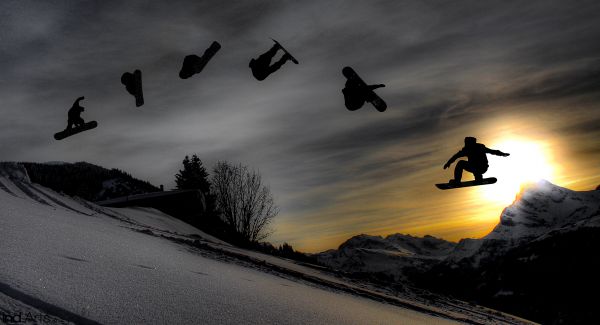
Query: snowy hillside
[(75, 261)]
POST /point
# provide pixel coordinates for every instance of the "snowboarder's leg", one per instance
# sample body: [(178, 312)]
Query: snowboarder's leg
[(368, 95), (260, 66), (264, 59), (458, 170), (277, 65), (271, 52), (478, 171)]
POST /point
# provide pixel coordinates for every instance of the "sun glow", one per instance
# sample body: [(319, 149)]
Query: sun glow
[(529, 161)]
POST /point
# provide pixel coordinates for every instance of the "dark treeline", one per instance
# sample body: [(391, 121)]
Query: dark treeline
[(90, 182), (239, 207)]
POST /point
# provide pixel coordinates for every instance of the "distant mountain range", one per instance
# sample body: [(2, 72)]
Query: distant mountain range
[(539, 262), (386, 258), (88, 181)]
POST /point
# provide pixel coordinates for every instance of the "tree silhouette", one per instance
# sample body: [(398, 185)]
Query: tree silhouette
[(193, 175), (243, 201)]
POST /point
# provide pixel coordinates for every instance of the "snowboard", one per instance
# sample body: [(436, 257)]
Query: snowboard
[(193, 64), (286, 51), (448, 186), (69, 132), (371, 97), (133, 84)]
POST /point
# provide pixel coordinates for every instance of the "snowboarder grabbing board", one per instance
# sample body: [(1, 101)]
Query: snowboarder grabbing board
[(262, 67), (76, 121), (476, 163), (357, 92)]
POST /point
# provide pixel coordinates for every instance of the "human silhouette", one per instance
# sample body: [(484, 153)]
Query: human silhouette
[(75, 123), (476, 162), (357, 92), (75, 114), (193, 64), (133, 85), (262, 67)]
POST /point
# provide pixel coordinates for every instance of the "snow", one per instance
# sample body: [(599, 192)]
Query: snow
[(540, 210), (389, 255), (81, 260), (544, 207)]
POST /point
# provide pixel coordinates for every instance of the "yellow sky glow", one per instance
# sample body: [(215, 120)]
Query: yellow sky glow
[(407, 201)]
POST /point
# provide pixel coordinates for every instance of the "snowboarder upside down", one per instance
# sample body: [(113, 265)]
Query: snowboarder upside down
[(262, 67), (476, 162), (356, 92)]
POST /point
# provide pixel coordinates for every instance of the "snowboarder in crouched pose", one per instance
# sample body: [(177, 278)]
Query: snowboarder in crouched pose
[(75, 123), (476, 162), (262, 67), (75, 114)]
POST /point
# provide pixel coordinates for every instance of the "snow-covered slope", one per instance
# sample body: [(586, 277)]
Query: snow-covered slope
[(389, 255), (15, 182), (86, 264)]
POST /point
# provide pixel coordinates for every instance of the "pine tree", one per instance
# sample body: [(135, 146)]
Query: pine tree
[(193, 175)]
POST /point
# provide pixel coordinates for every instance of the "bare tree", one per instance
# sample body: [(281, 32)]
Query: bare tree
[(245, 203)]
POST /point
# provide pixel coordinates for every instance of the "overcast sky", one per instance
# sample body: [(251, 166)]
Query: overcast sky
[(489, 69)]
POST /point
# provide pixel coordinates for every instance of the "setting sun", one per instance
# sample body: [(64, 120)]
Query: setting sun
[(529, 161)]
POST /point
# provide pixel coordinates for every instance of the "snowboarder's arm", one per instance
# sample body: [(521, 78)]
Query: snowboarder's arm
[(76, 103), (453, 158), (371, 87), (496, 152)]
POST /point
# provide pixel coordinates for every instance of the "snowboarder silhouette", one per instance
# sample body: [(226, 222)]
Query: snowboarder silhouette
[(193, 64), (476, 162), (133, 85), (357, 92), (75, 123), (262, 67), (75, 114)]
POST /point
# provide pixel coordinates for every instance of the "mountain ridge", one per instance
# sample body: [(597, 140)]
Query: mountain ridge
[(541, 251)]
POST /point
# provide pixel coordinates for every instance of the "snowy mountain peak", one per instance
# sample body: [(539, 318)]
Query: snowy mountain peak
[(389, 255), (543, 207), (400, 243)]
